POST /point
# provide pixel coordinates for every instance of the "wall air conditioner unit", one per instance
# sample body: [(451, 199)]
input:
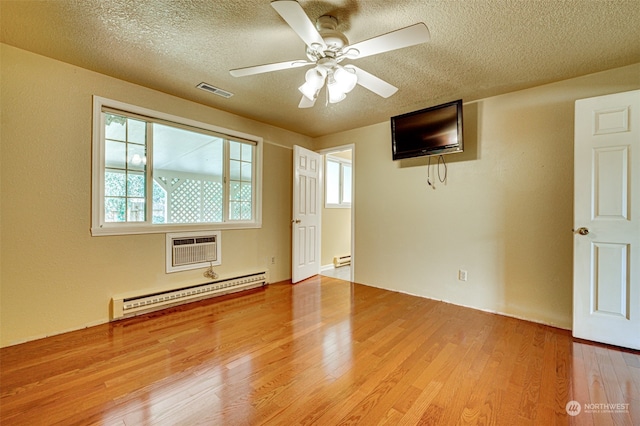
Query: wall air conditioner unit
[(193, 250)]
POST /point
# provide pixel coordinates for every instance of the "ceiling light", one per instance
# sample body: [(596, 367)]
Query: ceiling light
[(345, 77), (314, 80), (339, 80)]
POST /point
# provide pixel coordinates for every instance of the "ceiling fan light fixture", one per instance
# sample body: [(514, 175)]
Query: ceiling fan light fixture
[(335, 95), (326, 47), (309, 91), (314, 80), (334, 89), (346, 78)]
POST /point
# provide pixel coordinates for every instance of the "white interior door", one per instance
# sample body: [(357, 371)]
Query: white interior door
[(606, 278), (306, 214)]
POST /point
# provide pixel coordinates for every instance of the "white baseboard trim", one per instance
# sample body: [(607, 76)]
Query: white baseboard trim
[(327, 267)]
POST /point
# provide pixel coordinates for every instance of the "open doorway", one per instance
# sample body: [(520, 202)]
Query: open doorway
[(337, 250)]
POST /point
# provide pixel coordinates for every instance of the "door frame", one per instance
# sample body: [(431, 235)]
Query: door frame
[(324, 153)]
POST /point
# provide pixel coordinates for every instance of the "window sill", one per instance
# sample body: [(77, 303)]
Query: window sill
[(135, 229)]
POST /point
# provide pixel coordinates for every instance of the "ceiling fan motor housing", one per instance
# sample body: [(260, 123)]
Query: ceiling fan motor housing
[(334, 39)]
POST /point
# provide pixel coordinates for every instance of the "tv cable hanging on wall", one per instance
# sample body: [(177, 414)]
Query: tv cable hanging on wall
[(441, 178)]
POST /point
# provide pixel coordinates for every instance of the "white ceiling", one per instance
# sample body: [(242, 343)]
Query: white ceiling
[(478, 49)]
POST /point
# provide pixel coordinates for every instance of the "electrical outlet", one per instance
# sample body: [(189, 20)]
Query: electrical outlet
[(273, 260), (462, 275)]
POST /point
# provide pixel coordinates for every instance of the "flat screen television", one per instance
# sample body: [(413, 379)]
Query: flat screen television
[(435, 130)]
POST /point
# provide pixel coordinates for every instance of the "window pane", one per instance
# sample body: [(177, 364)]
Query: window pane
[(247, 152), (333, 182), (125, 165), (234, 210), (234, 170), (235, 150), (188, 165), (245, 192), (115, 184), (136, 131), (115, 154), (245, 211), (346, 183), (135, 185), (135, 210), (246, 172), (115, 127), (159, 204), (136, 157), (114, 209), (234, 191), (240, 180)]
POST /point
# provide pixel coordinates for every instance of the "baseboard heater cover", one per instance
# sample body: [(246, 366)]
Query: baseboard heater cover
[(128, 305), (343, 260)]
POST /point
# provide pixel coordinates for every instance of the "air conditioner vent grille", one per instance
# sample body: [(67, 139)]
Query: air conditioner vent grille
[(193, 250), (179, 242), (215, 90)]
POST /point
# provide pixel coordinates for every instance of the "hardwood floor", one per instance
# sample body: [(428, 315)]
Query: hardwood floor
[(321, 352)]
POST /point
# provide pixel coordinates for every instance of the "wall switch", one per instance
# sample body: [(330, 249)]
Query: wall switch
[(462, 275), (273, 260)]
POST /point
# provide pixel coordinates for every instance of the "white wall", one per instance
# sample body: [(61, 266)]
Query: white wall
[(505, 214)]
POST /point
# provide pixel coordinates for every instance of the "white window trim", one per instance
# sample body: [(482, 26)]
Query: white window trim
[(342, 162), (99, 227)]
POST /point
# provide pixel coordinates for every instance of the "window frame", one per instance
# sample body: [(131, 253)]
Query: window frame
[(342, 162), (98, 225)]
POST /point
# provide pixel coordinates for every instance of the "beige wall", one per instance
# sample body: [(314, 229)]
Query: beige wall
[(336, 234), (505, 214), (56, 277)]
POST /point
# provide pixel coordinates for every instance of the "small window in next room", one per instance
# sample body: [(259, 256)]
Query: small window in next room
[(337, 181)]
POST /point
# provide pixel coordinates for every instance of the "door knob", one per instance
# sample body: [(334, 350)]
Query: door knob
[(295, 221), (582, 231)]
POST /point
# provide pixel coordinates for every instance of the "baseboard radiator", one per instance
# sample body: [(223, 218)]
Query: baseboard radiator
[(343, 260), (131, 304)]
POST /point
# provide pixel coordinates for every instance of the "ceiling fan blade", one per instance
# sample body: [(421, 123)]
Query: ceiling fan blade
[(259, 69), (373, 83), (405, 37), (306, 102), (295, 16)]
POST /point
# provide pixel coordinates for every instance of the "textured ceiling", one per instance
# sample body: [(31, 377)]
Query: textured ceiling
[(478, 49)]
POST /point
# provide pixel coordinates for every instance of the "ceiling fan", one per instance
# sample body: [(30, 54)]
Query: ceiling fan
[(327, 48)]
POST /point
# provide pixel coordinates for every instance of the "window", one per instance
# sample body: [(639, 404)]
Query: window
[(158, 173), (337, 182)]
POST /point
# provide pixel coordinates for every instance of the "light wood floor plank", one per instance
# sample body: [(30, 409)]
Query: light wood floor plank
[(320, 352)]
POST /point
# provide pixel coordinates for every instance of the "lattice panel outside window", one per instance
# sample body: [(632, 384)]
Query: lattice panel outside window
[(212, 201), (184, 202), (191, 200)]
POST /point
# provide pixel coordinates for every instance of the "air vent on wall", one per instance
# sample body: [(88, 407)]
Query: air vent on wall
[(192, 250), (215, 90)]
